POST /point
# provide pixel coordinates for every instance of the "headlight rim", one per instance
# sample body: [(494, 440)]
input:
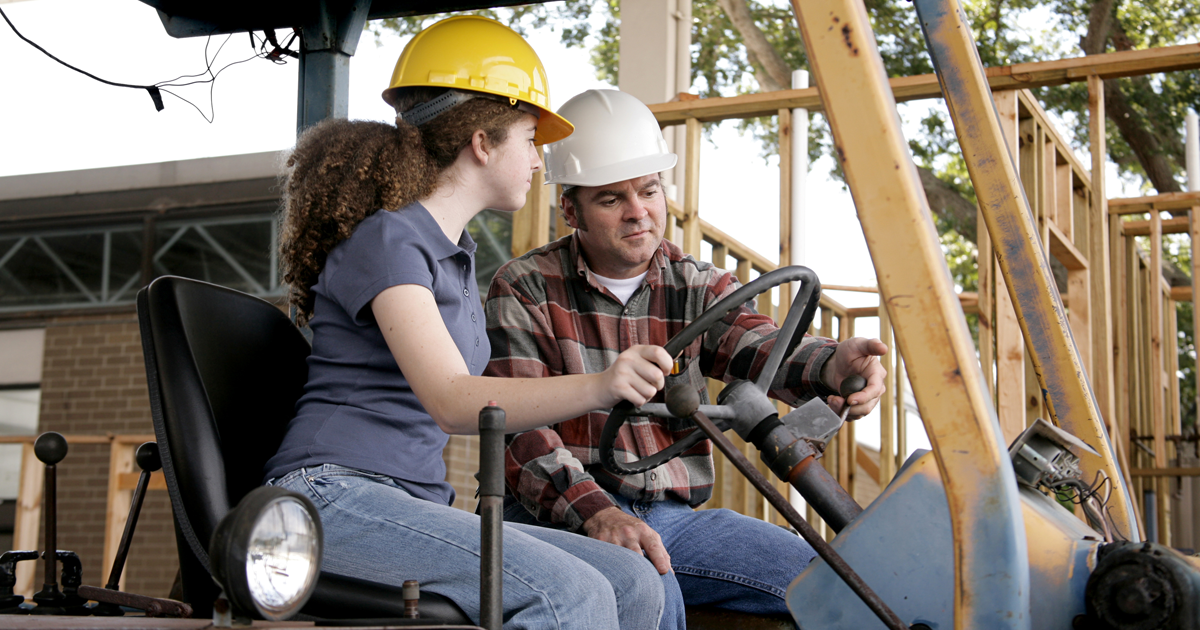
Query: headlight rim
[(229, 547)]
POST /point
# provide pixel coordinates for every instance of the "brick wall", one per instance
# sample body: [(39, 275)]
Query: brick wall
[(94, 383)]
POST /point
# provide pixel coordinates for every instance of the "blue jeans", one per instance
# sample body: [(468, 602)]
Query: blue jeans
[(718, 557), (376, 531)]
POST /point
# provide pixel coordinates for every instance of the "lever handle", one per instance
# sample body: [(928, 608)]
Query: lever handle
[(852, 385), (50, 448)]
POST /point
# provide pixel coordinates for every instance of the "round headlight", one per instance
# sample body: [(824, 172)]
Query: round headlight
[(266, 553)]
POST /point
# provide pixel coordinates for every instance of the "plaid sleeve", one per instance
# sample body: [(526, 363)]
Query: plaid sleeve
[(738, 345), (538, 469)]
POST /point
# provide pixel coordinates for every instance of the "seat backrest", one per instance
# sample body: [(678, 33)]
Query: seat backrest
[(224, 370)]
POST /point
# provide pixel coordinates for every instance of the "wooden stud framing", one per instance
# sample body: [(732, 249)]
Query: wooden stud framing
[(29, 511), (1010, 344), (1155, 325), (1014, 77), (887, 404), (691, 190), (531, 224)]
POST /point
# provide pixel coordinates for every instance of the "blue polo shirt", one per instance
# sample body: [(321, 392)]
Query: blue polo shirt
[(358, 409)]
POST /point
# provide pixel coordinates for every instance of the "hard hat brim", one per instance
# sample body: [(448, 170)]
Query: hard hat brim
[(619, 172), (551, 126)]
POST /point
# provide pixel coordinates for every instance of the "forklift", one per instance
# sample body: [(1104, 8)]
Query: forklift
[(968, 535)]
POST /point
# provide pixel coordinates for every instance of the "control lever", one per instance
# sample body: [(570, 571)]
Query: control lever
[(850, 385), (148, 460), (50, 448)]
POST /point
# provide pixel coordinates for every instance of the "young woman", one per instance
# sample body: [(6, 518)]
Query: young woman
[(382, 270)]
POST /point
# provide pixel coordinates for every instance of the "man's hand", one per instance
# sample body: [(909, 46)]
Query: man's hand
[(614, 526), (857, 355)]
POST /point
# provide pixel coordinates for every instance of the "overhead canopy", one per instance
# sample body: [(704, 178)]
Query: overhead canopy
[(192, 18)]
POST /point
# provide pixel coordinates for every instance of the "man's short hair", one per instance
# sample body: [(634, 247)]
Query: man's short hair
[(572, 194)]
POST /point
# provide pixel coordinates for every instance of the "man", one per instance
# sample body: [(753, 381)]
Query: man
[(573, 305)]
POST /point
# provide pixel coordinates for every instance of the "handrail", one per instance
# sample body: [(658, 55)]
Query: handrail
[(912, 88)]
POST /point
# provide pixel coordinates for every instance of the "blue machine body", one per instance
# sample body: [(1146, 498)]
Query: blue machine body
[(902, 547)]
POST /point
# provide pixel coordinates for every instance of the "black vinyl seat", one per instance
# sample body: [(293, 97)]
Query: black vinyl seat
[(225, 370)]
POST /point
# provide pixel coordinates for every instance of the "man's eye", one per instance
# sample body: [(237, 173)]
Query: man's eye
[(609, 202)]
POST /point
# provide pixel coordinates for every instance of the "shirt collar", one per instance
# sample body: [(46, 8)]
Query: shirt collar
[(435, 238)]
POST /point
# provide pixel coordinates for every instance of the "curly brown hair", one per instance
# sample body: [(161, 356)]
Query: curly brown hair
[(343, 171)]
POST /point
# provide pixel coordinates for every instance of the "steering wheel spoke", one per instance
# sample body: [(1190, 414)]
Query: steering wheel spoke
[(799, 319)]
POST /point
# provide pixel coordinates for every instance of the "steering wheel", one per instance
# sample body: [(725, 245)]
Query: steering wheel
[(799, 319)]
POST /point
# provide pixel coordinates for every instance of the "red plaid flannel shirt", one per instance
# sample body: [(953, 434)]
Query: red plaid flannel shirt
[(547, 315)]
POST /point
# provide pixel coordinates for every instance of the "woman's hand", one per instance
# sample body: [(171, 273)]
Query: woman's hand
[(636, 375)]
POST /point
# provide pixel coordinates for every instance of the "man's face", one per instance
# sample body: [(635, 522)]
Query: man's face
[(619, 225)]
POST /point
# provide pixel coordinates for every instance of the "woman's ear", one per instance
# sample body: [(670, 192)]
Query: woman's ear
[(479, 147)]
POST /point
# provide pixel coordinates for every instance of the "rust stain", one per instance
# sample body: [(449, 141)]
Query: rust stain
[(846, 38)]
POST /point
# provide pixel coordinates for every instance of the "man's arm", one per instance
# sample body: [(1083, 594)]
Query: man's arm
[(539, 469), (738, 346)]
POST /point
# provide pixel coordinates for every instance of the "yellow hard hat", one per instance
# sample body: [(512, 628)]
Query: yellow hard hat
[(476, 54)]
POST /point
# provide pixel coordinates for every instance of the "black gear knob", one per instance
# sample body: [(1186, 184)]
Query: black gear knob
[(50, 448), (682, 400), (852, 385), (147, 457)]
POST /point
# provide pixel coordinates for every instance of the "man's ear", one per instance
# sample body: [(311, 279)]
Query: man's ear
[(569, 212), (479, 147)]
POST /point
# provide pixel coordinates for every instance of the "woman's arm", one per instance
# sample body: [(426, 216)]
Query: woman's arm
[(415, 333)]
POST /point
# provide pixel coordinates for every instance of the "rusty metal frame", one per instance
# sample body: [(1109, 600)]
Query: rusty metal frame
[(990, 551), (1064, 382)]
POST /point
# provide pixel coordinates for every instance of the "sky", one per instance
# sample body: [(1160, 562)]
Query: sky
[(57, 120)]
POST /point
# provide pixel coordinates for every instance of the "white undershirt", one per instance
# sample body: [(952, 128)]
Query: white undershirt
[(623, 288)]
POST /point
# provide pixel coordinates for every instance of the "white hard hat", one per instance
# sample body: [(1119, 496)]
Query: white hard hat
[(616, 138)]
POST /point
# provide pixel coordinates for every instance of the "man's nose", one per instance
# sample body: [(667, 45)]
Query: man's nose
[(636, 210)]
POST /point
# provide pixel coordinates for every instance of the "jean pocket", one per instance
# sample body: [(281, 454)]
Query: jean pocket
[(331, 482)]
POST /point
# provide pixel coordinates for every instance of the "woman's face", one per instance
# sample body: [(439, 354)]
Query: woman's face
[(512, 165)]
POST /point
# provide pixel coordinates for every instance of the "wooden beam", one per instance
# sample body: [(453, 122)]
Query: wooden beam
[(1177, 225), (1181, 294), (1010, 345), (691, 190), (1064, 250), (531, 224), (786, 247), (29, 511), (1179, 202), (1157, 401), (846, 287), (1165, 472), (1194, 233), (1019, 76), (868, 465)]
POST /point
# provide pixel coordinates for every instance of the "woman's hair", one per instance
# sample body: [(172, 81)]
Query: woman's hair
[(342, 171)]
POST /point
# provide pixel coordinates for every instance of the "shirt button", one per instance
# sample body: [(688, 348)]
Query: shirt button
[(467, 292), (472, 316), (477, 341), (464, 267), (653, 476)]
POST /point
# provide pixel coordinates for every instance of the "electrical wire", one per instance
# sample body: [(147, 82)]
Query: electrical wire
[(276, 55)]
